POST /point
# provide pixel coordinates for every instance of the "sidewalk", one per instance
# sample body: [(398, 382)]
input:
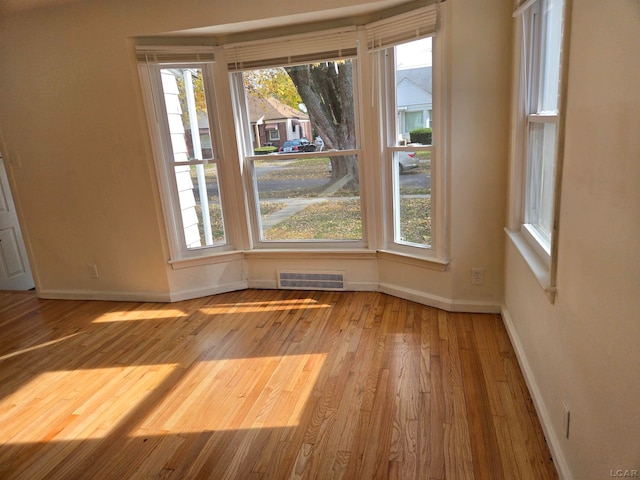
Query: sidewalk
[(295, 205)]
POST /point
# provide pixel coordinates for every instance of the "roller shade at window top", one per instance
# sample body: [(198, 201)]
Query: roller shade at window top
[(292, 50), (174, 54), (406, 27)]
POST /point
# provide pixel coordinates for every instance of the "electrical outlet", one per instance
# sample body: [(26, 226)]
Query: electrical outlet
[(477, 276), (93, 271), (566, 419)]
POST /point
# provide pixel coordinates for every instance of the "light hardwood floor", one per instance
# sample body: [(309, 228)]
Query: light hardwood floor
[(261, 384)]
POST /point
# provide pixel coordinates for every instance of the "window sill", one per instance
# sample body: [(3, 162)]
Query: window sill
[(415, 260), (315, 254), (300, 254), (538, 266)]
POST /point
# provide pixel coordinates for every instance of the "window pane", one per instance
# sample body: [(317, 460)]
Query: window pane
[(541, 170), (186, 105), (412, 198), (297, 104), (300, 200), (411, 179), (413, 89), (200, 207), (550, 61)]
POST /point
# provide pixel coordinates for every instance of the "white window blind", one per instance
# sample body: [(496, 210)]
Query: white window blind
[(291, 50), (402, 28), (173, 55)]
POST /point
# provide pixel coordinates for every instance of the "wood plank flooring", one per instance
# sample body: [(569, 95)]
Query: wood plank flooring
[(261, 385)]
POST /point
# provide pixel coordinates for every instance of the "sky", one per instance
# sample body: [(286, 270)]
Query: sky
[(414, 54)]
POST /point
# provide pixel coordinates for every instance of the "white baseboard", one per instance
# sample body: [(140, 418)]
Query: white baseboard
[(470, 306), (205, 292), (543, 414), (128, 296), (443, 303), (262, 284), (132, 296)]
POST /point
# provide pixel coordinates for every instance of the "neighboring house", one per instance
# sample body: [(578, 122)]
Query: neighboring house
[(273, 122), (414, 102), (182, 144)]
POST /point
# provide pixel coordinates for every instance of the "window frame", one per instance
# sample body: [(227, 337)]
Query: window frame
[(276, 137), (150, 72), (539, 250), (437, 250), (248, 158)]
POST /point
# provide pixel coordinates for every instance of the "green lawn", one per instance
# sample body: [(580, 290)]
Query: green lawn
[(322, 221), (333, 220)]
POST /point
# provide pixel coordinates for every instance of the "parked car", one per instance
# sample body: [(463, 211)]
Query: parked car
[(407, 161), (299, 145)]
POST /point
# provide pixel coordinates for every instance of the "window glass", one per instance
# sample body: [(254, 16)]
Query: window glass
[(412, 202), (411, 165), (195, 170), (200, 207), (550, 61), (539, 203), (296, 200), (301, 194)]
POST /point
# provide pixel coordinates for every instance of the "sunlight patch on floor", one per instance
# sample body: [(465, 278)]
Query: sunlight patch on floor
[(269, 392)]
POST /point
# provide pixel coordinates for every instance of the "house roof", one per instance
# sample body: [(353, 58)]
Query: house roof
[(420, 76), (410, 94), (271, 109)]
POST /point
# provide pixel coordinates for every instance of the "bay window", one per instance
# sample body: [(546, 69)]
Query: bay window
[(302, 176)]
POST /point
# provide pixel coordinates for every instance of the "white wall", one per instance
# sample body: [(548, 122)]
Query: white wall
[(585, 349)]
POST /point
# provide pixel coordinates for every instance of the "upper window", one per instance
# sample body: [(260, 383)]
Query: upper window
[(308, 189), (542, 44)]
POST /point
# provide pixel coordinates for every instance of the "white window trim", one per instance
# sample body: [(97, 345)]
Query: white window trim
[(154, 103), (309, 42), (543, 263), (438, 250)]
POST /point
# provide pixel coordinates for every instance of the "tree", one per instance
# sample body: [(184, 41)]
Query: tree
[(198, 92), (273, 82), (327, 91)]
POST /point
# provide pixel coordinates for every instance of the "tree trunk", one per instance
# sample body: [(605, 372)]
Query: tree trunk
[(327, 91)]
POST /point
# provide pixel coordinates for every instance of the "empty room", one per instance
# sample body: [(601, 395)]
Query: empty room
[(346, 239)]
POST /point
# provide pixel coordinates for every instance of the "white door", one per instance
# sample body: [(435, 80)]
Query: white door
[(15, 273)]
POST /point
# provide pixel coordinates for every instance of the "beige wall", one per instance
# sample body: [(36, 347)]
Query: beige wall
[(585, 349)]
